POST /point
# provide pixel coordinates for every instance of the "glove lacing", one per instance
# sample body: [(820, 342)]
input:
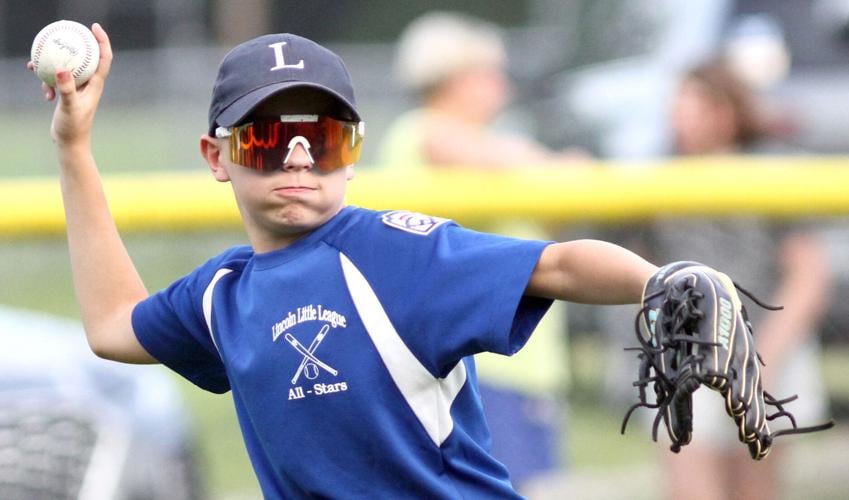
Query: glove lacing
[(682, 315)]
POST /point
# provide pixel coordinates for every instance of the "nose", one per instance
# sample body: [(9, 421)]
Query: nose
[(298, 157)]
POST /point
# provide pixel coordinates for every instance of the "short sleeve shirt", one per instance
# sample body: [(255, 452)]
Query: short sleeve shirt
[(348, 352)]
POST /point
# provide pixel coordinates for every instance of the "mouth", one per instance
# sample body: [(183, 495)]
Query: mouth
[(294, 190)]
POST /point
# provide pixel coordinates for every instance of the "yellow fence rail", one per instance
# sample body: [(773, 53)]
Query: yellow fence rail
[(778, 187)]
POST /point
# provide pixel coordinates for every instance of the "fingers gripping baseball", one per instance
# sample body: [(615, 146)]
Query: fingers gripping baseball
[(105, 62), (74, 115)]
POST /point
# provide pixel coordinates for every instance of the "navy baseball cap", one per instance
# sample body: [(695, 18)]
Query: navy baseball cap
[(264, 66)]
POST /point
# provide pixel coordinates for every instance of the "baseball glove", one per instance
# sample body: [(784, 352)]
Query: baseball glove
[(693, 330)]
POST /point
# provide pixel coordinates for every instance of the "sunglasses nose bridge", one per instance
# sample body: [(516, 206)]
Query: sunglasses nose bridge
[(298, 155)]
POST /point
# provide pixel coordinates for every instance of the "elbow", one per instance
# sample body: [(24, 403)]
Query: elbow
[(98, 347), (102, 343), (110, 335)]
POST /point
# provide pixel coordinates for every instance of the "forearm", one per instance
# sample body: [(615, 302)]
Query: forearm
[(591, 272), (106, 282)]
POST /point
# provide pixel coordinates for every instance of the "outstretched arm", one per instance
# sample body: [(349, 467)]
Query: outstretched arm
[(106, 282), (590, 272)]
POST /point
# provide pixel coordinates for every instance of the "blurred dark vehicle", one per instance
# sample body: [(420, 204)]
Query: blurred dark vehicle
[(74, 426)]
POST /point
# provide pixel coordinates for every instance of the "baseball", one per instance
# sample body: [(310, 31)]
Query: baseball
[(65, 45)]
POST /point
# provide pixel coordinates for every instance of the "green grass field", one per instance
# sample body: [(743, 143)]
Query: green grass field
[(124, 140)]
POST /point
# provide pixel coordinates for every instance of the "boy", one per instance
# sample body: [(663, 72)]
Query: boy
[(345, 335)]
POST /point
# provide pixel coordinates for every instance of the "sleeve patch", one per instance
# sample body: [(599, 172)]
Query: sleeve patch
[(412, 222)]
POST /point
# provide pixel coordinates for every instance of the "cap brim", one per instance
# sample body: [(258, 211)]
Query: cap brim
[(241, 107)]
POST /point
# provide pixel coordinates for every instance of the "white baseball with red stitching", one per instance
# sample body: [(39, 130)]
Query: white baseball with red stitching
[(65, 45)]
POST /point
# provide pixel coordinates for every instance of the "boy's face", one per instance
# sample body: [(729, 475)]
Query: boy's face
[(281, 205)]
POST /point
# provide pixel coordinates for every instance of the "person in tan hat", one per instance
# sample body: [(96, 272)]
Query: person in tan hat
[(455, 67)]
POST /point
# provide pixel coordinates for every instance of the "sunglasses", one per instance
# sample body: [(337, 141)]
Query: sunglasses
[(266, 145)]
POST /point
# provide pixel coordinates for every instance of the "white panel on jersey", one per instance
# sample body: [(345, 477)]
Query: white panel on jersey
[(207, 303), (429, 397)]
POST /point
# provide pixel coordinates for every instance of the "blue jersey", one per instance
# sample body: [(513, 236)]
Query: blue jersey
[(348, 352)]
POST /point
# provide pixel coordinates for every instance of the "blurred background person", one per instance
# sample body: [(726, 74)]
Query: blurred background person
[(714, 113), (455, 65)]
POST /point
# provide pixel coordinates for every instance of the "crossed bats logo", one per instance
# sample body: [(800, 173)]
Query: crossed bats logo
[(310, 364)]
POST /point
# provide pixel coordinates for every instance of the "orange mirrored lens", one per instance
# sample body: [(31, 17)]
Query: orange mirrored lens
[(263, 145)]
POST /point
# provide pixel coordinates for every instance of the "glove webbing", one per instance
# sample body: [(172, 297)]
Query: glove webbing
[(679, 321)]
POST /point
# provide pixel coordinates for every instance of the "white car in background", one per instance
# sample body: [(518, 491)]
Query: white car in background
[(74, 426)]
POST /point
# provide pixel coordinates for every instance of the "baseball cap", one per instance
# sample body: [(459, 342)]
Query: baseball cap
[(259, 68)]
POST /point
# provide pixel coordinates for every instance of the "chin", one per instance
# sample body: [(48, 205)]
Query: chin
[(300, 219)]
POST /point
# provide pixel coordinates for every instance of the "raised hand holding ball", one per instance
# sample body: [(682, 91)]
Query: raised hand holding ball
[(64, 45)]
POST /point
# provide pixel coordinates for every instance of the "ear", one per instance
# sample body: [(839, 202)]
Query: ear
[(210, 149), (349, 172)]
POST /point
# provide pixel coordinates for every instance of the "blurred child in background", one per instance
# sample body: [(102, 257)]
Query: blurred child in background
[(713, 113)]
